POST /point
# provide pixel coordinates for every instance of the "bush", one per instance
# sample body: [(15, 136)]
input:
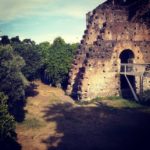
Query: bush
[(12, 81), (32, 57), (7, 123), (58, 61)]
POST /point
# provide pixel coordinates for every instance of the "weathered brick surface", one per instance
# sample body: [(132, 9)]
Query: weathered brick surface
[(112, 27)]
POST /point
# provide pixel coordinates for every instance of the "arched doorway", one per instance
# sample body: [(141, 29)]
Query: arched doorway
[(127, 56)]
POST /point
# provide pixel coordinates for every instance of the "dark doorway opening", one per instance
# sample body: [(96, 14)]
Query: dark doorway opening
[(125, 88), (127, 56)]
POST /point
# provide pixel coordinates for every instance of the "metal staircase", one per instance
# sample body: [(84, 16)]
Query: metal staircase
[(141, 70)]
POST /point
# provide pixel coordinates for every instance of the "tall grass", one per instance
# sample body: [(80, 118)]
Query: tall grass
[(32, 123)]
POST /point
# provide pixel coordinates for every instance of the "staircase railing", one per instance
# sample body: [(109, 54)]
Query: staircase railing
[(140, 70), (135, 69)]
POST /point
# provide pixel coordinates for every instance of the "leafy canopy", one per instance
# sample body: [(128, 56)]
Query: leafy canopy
[(32, 57), (12, 80), (7, 123), (58, 61)]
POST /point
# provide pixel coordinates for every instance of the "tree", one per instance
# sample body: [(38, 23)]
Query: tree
[(44, 49), (13, 82), (15, 39), (7, 127), (32, 56), (28, 41), (7, 123), (5, 40), (59, 61)]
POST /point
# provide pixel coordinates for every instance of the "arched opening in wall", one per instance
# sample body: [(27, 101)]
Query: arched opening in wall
[(126, 57)]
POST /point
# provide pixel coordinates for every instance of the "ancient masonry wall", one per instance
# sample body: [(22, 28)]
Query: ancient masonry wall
[(95, 68)]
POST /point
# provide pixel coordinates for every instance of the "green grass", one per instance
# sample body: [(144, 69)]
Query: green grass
[(122, 103), (32, 123), (112, 101), (97, 99), (113, 98), (83, 102)]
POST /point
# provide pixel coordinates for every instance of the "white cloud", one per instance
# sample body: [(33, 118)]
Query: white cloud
[(66, 37), (11, 9), (72, 11), (72, 8), (42, 20)]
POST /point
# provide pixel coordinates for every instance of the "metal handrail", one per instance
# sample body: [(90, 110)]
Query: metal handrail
[(141, 70), (127, 68)]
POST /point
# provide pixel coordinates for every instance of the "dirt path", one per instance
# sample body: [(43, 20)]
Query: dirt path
[(54, 122), (31, 137)]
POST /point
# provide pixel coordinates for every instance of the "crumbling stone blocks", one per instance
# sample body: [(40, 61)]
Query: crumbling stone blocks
[(112, 28)]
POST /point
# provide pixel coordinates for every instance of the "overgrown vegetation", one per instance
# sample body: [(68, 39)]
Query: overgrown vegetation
[(12, 80), (24, 61), (112, 101), (7, 123), (7, 126), (29, 51), (57, 60)]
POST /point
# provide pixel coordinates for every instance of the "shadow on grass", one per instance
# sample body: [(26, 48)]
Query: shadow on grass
[(18, 112), (31, 90), (10, 144), (97, 128), (18, 106)]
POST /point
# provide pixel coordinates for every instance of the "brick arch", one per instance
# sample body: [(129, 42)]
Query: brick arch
[(121, 46), (126, 56)]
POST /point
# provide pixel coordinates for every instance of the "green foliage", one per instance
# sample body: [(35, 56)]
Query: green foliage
[(123, 103), (11, 78), (97, 99), (111, 101), (10, 73), (7, 123), (44, 49), (58, 61), (5, 40), (32, 57)]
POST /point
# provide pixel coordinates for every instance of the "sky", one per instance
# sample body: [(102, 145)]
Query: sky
[(44, 20)]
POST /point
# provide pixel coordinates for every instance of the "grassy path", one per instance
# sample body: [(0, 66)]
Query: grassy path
[(35, 128), (54, 122)]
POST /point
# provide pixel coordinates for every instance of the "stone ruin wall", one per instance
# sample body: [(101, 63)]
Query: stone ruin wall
[(96, 65)]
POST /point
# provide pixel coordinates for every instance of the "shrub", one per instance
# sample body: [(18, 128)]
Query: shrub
[(7, 123)]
